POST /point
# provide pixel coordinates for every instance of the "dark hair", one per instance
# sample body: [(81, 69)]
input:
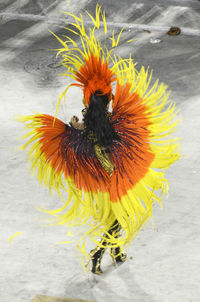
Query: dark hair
[(97, 121)]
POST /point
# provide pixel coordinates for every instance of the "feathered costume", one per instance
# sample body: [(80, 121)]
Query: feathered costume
[(65, 157)]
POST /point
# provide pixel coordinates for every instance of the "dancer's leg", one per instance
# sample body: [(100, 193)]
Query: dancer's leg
[(115, 252), (97, 253)]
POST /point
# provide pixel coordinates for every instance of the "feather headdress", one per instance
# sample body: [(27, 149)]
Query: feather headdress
[(88, 64)]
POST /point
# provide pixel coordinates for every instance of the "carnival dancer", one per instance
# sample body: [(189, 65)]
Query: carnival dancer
[(112, 164)]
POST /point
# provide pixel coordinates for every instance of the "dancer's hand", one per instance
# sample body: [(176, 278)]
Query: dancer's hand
[(74, 122)]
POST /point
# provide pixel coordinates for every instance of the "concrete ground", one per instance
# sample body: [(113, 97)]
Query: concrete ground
[(163, 263)]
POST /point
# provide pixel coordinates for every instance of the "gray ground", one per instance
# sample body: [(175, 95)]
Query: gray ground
[(165, 261)]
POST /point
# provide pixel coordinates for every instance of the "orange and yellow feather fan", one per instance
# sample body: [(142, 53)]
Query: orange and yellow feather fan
[(143, 118)]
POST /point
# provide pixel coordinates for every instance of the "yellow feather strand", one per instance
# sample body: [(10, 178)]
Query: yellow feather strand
[(63, 94), (17, 234), (73, 31), (104, 22)]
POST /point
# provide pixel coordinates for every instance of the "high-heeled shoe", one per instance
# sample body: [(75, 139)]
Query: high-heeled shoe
[(95, 256), (117, 256)]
